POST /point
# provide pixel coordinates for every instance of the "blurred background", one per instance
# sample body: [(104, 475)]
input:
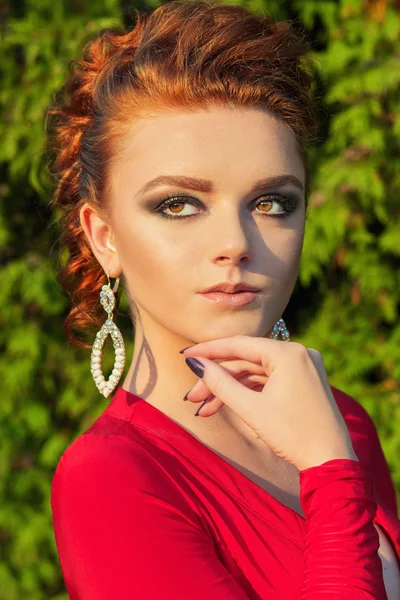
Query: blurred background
[(345, 304)]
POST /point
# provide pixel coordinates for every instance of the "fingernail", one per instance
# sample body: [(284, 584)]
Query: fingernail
[(196, 366), (183, 349), (185, 396), (200, 407)]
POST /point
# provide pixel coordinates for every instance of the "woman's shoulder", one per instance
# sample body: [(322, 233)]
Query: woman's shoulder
[(110, 469), (367, 446), (107, 450), (350, 408), (359, 422)]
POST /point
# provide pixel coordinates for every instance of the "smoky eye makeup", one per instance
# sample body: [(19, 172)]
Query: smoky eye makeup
[(171, 205)]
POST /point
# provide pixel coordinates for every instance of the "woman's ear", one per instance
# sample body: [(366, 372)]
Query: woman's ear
[(100, 237), (109, 245)]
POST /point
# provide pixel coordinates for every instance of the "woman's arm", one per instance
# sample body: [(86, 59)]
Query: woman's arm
[(124, 531), (384, 492), (369, 450), (341, 544)]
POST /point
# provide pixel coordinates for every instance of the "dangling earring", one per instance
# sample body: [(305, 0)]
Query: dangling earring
[(107, 299), (280, 328)]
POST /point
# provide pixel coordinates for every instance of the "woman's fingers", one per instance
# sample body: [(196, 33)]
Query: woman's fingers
[(237, 368), (224, 386), (240, 346), (214, 404), (242, 366), (294, 412)]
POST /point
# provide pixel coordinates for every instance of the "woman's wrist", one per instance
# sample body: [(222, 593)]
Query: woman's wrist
[(320, 459)]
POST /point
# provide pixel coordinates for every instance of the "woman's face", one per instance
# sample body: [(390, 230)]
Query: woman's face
[(220, 229)]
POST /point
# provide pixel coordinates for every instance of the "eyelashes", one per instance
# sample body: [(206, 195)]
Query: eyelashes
[(288, 204)]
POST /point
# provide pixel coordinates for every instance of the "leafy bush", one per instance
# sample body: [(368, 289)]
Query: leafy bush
[(346, 300)]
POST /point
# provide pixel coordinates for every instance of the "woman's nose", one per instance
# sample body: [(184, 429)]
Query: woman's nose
[(232, 240)]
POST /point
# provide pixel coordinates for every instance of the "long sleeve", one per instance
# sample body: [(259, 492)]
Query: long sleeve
[(124, 530), (341, 551)]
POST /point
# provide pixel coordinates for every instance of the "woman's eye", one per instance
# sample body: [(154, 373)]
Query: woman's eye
[(265, 206), (176, 207)]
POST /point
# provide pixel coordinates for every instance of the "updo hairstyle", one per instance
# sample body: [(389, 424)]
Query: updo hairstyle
[(190, 54)]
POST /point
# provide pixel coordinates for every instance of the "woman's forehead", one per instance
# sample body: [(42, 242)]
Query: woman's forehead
[(240, 143)]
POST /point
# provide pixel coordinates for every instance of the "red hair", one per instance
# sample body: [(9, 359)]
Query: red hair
[(185, 54)]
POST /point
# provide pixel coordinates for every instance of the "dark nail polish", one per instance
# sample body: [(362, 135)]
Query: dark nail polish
[(181, 351), (196, 366), (200, 407), (185, 396)]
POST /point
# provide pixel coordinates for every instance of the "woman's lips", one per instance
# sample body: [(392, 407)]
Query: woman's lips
[(232, 300)]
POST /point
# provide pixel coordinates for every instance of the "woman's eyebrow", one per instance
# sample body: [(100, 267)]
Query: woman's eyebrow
[(204, 185)]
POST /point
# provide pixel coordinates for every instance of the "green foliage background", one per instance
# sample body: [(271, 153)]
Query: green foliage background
[(346, 302)]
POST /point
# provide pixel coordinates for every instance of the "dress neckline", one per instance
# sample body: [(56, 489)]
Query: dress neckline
[(128, 406), (135, 409)]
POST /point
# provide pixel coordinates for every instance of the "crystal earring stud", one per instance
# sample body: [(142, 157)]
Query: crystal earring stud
[(107, 299), (280, 328)]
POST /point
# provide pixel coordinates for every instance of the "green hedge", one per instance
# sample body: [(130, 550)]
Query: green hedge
[(346, 301)]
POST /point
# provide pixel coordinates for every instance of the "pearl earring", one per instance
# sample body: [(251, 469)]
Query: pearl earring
[(107, 299), (280, 328)]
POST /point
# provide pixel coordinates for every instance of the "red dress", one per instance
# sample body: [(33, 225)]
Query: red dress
[(143, 510)]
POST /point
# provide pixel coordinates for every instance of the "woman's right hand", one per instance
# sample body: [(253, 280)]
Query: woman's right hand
[(293, 411)]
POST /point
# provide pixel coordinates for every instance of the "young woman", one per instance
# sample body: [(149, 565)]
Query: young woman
[(180, 151)]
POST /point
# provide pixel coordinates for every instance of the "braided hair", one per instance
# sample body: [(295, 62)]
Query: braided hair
[(184, 55)]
